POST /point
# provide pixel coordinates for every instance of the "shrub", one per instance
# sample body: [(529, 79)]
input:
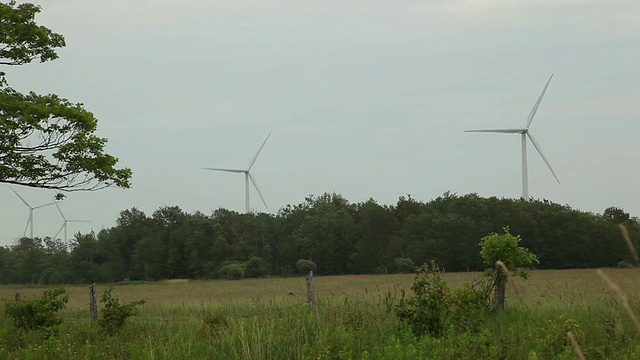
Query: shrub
[(506, 249), (255, 267), (552, 339), (232, 271), (37, 313), (115, 315), (304, 266), (404, 265), (435, 307)]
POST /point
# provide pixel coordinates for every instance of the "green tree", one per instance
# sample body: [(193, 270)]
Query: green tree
[(23, 40), (404, 265), (6, 266), (499, 251), (616, 215), (304, 266), (56, 261), (376, 224), (329, 231), (29, 260), (218, 251), (45, 140), (84, 258), (121, 242)]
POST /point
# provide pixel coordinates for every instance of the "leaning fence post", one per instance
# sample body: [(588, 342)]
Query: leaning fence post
[(93, 304), (311, 296), (17, 297)]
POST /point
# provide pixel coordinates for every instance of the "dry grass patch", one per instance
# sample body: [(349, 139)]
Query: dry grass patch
[(546, 289)]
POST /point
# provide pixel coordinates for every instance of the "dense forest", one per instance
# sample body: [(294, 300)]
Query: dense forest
[(338, 236)]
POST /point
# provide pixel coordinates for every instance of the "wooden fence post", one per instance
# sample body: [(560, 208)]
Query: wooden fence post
[(93, 304), (17, 297), (311, 296)]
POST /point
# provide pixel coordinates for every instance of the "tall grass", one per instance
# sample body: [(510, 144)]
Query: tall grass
[(269, 319)]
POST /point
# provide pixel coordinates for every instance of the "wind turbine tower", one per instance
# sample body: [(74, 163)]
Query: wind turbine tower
[(64, 223), (30, 218), (524, 133), (247, 176)]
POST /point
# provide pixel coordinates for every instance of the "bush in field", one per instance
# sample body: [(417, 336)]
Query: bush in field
[(435, 307), (232, 271), (115, 315), (255, 267), (506, 249), (31, 314), (404, 265), (552, 338), (304, 266)]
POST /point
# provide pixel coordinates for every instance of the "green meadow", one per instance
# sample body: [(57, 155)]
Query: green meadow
[(270, 319)]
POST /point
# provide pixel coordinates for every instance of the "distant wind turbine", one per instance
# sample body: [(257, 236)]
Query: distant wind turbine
[(64, 224), (524, 133), (247, 176), (30, 218)]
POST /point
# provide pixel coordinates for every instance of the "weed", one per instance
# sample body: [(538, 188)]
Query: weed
[(435, 307), (36, 313), (115, 315)]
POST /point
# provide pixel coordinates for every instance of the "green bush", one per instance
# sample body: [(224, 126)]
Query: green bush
[(552, 338), (404, 265), (436, 308), (115, 315), (506, 249), (304, 266), (31, 314), (255, 267), (232, 271)]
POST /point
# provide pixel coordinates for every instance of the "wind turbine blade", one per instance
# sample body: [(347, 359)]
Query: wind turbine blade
[(537, 146), (255, 157), (535, 107), (78, 221), (255, 184), (21, 198), (41, 206), (60, 211), (226, 170), (61, 227), (503, 131), (27, 226)]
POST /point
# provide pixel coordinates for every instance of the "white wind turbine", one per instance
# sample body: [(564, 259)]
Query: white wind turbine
[(247, 176), (524, 133), (64, 224), (30, 218)]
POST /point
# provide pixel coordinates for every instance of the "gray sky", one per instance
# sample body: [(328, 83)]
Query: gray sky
[(364, 98)]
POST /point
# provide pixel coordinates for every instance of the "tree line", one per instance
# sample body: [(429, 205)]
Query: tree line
[(50, 142), (337, 236)]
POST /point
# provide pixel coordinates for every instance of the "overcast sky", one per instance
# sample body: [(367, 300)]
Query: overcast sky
[(364, 98)]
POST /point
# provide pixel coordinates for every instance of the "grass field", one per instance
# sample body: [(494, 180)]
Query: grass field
[(269, 319)]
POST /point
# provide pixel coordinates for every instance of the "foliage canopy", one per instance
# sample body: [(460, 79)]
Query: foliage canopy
[(340, 238), (46, 141), (503, 253), (506, 248)]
